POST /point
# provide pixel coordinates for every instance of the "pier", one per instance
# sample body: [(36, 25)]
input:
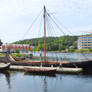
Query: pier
[(58, 70)]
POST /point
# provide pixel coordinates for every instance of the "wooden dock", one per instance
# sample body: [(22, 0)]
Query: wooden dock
[(58, 70)]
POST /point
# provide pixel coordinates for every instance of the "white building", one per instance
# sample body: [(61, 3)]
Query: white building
[(84, 42)]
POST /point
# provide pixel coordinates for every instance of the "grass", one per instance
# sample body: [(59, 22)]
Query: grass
[(2, 55), (19, 55), (80, 50)]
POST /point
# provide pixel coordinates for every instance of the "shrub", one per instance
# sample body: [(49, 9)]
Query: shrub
[(70, 50), (18, 55), (82, 50), (17, 51)]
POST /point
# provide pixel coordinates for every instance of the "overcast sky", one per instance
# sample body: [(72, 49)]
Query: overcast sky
[(17, 15)]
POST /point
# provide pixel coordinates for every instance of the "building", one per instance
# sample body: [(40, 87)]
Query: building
[(14, 47), (85, 42)]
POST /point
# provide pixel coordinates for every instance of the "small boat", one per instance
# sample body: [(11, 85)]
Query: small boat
[(4, 66), (41, 70)]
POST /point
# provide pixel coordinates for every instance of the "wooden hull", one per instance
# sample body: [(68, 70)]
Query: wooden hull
[(4, 66), (83, 64), (40, 70), (37, 62)]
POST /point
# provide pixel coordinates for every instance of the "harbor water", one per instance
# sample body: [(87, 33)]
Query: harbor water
[(20, 82), (72, 57)]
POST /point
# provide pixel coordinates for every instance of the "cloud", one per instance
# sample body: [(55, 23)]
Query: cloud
[(17, 15)]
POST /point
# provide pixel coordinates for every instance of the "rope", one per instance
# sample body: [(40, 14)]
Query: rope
[(56, 38), (85, 56), (31, 24), (63, 26), (56, 24), (51, 26)]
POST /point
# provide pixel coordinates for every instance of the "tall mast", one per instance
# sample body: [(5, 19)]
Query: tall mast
[(44, 34)]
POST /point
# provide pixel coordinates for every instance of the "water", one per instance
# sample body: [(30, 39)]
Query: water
[(72, 57), (18, 82)]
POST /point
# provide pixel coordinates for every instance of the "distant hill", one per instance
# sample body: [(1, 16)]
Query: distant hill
[(52, 43)]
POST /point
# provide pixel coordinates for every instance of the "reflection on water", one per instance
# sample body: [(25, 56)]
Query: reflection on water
[(39, 74), (18, 82), (6, 77)]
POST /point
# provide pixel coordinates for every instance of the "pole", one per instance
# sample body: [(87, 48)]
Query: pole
[(44, 34)]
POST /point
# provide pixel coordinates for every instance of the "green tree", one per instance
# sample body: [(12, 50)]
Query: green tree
[(1, 43), (17, 51)]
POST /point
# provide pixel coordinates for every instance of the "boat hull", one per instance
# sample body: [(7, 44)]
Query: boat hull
[(4, 66), (83, 64), (36, 63), (40, 70)]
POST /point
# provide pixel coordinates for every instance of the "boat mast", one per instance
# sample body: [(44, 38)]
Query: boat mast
[(44, 34)]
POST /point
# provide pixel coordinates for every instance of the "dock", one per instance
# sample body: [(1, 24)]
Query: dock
[(58, 69)]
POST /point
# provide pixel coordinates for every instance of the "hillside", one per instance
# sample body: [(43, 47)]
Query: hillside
[(52, 43)]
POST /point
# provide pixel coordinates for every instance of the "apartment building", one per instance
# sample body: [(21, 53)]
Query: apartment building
[(84, 42), (14, 47)]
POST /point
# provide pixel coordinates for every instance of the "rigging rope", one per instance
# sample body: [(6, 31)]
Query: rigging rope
[(85, 56), (71, 34), (56, 24), (63, 25), (49, 32), (52, 29), (31, 24)]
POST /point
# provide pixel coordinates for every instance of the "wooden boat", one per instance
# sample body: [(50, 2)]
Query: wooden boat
[(41, 70), (35, 62), (4, 66)]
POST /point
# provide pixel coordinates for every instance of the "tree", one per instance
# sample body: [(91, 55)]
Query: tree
[(17, 51), (1, 43), (52, 43)]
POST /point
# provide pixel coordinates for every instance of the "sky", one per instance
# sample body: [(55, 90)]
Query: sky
[(16, 16)]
